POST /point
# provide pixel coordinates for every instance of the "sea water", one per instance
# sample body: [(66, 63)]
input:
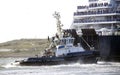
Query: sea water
[(8, 67)]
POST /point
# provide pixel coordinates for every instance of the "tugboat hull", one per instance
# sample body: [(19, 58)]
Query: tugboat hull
[(83, 57)]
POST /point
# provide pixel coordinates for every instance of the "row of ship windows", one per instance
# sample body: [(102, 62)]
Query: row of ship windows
[(92, 0), (87, 21), (98, 12), (94, 5), (99, 4)]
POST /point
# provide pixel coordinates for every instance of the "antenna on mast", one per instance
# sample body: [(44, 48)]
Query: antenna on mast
[(59, 25)]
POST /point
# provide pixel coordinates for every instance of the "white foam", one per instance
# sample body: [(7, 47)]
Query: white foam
[(10, 65), (69, 69)]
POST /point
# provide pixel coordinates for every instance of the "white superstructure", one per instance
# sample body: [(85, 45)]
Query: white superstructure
[(98, 14), (63, 42)]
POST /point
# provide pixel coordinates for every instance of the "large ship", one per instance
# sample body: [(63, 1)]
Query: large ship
[(103, 16), (63, 49)]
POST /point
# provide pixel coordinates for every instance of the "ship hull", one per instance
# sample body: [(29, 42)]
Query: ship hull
[(89, 57), (109, 47)]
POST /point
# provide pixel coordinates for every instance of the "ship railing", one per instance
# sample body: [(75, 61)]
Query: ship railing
[(108, 32), (100, 5), (82, 7), (95, 5), (87, 21), (117, 33), (97, 12), (117, 0), (92, 0)]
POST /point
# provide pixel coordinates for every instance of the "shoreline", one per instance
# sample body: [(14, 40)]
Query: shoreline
[(23, 54), (23, 48), (17, 56)]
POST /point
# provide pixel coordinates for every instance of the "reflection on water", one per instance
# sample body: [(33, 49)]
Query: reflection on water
[(7, 67)]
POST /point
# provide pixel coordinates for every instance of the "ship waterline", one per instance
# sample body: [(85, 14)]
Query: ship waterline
[(104, 68)]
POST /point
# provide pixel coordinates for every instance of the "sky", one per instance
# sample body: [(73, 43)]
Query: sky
[(26, 19)]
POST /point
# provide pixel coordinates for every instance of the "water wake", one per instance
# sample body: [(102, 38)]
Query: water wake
[(105, 68), (10, 65)]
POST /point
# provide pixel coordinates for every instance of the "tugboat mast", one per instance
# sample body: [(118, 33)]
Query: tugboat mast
[(59, 25)]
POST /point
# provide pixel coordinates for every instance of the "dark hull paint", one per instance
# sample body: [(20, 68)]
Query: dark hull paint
[(58, 62), (109, 46), (89, 57)]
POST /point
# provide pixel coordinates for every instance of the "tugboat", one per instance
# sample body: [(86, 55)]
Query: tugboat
[(63, 50)]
